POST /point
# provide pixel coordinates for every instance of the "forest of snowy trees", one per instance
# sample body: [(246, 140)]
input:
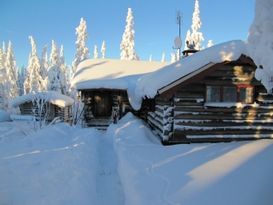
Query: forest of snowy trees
[(48, 71)]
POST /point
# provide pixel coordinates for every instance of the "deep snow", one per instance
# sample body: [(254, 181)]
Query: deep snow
[(128, 165)]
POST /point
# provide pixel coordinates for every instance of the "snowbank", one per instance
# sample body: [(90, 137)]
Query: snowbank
[(50, 96), (237, 173), (4, 116), (56, 165)]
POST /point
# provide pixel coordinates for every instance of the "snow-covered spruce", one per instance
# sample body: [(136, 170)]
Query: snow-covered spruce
[(96, 52), (127, 45), (34, 81), (82, 52), (57, 70), (194, 38), (103, 49), (260, 41)]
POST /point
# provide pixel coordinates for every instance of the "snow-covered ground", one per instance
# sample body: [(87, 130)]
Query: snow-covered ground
[(128, 165)]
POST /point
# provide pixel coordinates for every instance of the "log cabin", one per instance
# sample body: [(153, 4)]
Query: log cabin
[(106, 88), (209, 96), (216, 98), (45, 106)]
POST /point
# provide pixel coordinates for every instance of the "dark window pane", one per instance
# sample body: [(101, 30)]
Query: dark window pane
[(213, 94), (229, 94)]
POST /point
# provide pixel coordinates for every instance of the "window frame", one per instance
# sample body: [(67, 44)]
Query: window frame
[(238, 97)]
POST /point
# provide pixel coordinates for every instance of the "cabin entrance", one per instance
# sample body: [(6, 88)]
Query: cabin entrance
[(102, 106)]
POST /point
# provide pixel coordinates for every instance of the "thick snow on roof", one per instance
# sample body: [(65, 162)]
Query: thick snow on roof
[(110, 73), (50, 96), (148, 85)]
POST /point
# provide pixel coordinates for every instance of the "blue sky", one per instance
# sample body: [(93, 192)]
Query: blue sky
[(155, 25)]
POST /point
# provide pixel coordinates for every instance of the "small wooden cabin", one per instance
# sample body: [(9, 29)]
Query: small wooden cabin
[(45, 105), (217, 102), (104, 84)]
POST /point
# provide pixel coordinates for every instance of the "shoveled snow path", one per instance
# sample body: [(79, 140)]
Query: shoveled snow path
[(108, 184)]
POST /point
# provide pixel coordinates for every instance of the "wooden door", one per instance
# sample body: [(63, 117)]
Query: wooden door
[(102, 106)]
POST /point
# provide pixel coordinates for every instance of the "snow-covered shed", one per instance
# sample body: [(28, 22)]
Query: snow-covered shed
[(212, 95), (107, 87), (46, 105)]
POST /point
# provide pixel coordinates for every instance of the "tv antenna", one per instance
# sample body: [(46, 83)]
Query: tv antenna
[(177, 40)]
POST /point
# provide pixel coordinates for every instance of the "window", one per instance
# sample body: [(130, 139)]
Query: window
[(229, 94), (239, 93), (245, 94), (213, 93)]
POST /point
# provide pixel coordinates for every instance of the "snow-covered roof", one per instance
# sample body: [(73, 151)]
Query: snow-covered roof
[(149, 85), (142, 79), (49, 96), (112, 74)]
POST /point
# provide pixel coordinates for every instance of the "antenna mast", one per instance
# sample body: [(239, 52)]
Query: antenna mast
[(177, 40)]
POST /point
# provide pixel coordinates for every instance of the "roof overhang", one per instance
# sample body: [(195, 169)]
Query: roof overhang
[(185, 78)]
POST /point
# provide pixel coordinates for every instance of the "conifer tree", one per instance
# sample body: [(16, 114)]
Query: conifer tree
[(127, 45), (82, 52), (210, 43), (11, 86), (195, 37), (3, 99), (44, 63), (34, 81), (163, 57), (103, 49), (57, 68), (96, 52)]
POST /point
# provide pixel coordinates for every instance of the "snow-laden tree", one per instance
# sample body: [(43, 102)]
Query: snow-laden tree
[(195, 37), (163, 57), (103, 49), (3, 100), (82, 52), (210, 43), (260, 42), (21, 79), (64, 70), (56, 73), (44, 63), (34, 81), (96, 52), (127, 45), (173, 57), (11, 74), (150, 58)]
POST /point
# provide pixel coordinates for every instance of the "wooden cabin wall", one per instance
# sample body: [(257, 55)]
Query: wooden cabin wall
[(49, 112), (181, 114)]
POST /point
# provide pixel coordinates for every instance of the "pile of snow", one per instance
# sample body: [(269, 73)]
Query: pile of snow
[(49, 96), (4, 116), (260, 42), (149, 84), (56, 165), (237, 173)]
